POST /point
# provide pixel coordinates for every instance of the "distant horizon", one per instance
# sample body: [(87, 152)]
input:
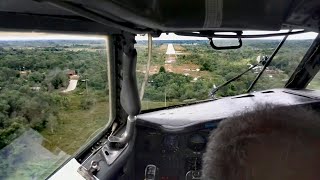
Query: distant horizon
[(172, 36), (218, 39), (35, 36)]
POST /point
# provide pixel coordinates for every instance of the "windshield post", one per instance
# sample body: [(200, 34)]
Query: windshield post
[(308, 67), (129, 96)]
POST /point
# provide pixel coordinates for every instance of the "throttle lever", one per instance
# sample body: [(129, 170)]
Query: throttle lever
[(151, 172)]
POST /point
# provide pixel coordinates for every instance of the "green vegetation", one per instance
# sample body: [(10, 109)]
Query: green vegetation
[(31, 81), (177, 87), (77, 125), (198, 68), (33, 75)]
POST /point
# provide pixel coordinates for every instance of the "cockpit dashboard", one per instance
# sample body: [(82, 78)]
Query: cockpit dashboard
[(174, 140), (169, 144)]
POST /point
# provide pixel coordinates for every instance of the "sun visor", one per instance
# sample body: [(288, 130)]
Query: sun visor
[(245, 14), (208, 14), (253, 14)]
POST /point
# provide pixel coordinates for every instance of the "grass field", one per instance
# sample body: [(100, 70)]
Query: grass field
[(315, 83), (76, 126)]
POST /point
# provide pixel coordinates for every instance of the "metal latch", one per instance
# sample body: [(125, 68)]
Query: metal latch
[(88, 174)]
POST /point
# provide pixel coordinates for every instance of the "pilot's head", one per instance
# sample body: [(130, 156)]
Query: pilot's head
[(270, 143)]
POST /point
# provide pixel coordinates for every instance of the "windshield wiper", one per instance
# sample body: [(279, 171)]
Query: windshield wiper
[(265, 62), (268, 61), (215, 89)]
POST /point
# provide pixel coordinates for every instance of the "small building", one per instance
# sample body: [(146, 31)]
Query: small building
[(24, 73), (71, 72)]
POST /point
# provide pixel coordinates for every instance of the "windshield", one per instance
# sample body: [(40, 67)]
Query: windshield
[(185, 70), (53, 100)]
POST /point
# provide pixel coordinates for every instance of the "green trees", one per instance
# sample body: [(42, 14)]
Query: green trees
[(162, 70), (87, 102), (20, 110), (36, 77), (57, 79), (31, 80), (217, 67), (33, 99), (175, 87)]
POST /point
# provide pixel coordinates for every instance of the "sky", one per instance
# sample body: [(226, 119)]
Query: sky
[(50, 36), (7, 36), (172, 36)]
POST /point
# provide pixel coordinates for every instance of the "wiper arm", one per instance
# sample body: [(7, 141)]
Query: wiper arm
[(268, 61), (214, 90), (265, 62)]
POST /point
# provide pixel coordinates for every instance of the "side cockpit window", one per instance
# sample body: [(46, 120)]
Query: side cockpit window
[(53, 100)]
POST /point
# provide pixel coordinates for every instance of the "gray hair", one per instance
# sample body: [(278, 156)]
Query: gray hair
[(226, 152)]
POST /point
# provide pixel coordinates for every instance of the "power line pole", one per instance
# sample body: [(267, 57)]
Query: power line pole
[(87, 86), (165, 97), (146, 75)]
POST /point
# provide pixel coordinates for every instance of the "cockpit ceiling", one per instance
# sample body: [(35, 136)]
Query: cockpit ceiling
[(155, 16)]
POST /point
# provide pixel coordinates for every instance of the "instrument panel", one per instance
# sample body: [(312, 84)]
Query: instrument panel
[(177, 156), (175, 141), (169, 144)]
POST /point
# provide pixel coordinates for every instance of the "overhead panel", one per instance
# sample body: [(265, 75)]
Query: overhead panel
[(156, 16), (31, 7)]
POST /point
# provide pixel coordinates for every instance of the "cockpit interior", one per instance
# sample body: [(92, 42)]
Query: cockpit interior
[(167, 143)]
